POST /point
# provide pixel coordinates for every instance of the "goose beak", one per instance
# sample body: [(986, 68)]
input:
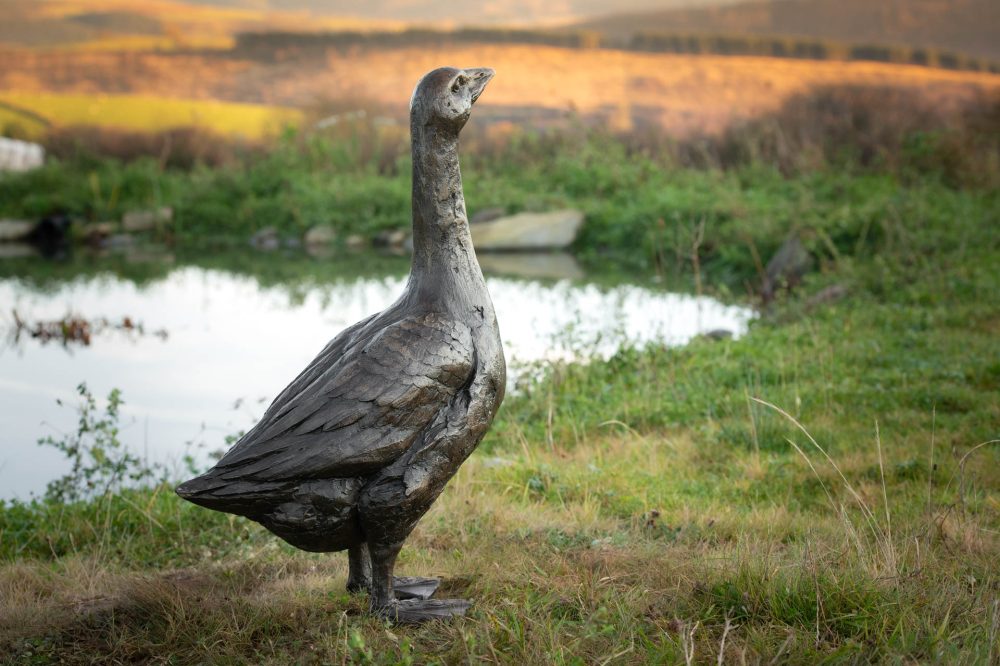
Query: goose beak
[(478, 78)]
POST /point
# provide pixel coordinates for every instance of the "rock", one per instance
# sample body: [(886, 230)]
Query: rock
[(266, 239), (718, 334), (488, 215), (319, 251), (538, 265), (20, 155), (15, 230), (49, 235), (356, 242), (528, 231), (118, 241), (146, 220), (321, 234), (786, 268), (394, 238), (18, 250), (95, 231)]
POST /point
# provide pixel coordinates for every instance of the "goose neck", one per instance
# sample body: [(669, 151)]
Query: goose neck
[(442, 244)]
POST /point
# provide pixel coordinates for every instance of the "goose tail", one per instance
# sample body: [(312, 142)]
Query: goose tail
[(200, 489), (244, 497)]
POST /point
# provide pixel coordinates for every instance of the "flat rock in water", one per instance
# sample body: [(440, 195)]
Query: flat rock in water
[(17, 250), (487, 215), (119, 241), (266, 239), (95, 231), (538, 265), (146, 220), (321, 234), (393, 238), (528, 231), (718, 334), (15, 230), (356, 242)]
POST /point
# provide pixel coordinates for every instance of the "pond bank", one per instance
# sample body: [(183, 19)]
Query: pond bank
[(638, 209)]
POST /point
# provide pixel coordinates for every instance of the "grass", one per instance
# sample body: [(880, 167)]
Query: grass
[(821, 490), (642, 208), (628, 545), (640, 509), (150, 113)]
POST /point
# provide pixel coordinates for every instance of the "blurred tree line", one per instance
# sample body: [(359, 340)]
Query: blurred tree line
[(279, 46)]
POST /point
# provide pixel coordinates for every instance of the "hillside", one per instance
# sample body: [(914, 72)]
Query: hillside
[(49, 23), (456, 12), (964, 26), (114, 25), (141, 113), (534, 84)]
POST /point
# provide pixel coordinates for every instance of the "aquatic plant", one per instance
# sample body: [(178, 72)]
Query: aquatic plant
[(100, 463)]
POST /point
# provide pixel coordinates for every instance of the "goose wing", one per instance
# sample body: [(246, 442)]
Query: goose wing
[(356, 413)]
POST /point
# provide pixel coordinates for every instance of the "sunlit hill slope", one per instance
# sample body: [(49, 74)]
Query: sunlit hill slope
[(681, 93)]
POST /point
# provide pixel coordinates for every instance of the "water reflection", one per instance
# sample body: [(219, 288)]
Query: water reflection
[(234, 343), (536, 265)]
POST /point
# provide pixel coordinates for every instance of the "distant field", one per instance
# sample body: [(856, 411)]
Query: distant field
[(127, 25), (146, 112), (681, 93), (17, 122), (965, 26), (150, 43)]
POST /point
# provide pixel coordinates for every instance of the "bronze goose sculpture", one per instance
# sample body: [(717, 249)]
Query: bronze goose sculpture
[(356, 449)]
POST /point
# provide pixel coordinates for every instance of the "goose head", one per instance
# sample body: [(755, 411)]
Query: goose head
[(444, 97)]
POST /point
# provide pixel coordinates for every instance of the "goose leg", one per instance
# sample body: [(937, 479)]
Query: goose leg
[(404, 587), (383, 561), (359, 578), (384, 601)]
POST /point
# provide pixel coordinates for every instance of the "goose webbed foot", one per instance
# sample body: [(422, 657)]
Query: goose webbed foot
[(413, 587), (384, 595), (405, 587), (416, 611)]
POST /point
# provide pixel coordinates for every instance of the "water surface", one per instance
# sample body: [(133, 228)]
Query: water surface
[(234, 338)]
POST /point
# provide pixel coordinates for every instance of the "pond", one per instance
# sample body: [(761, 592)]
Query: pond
[(199, 347)]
